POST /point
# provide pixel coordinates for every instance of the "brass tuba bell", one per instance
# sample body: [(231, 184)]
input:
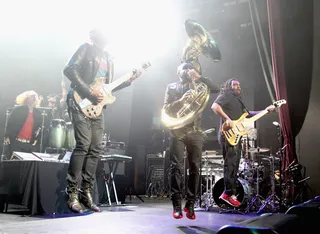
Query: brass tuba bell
[(199, 42)]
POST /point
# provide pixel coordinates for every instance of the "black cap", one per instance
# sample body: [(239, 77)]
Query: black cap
[(184, 66)]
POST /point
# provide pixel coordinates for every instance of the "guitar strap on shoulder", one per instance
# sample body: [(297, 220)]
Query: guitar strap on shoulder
[(243, 105), (110, 70)]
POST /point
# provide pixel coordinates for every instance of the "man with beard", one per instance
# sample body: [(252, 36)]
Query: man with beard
[(229, 106)]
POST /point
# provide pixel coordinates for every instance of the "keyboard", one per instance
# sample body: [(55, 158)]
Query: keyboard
[(116, 157)]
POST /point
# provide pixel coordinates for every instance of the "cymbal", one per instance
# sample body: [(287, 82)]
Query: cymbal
[(258, 150)]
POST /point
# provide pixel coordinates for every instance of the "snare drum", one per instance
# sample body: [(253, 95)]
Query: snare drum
[(57, 133), (244, 192)]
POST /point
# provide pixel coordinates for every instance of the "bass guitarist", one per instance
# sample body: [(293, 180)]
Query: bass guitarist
[(88, 63), (229, 107)]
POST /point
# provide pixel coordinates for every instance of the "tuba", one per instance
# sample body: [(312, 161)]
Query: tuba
[(199, 42)]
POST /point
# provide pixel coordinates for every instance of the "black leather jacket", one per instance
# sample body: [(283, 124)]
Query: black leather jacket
[(172, 102), (82, 69), (17, 119)]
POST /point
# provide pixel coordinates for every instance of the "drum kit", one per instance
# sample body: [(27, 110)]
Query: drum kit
[(257, 178)]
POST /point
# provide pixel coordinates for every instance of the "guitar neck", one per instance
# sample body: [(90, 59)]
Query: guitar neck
[(258, 116), (119, 81)]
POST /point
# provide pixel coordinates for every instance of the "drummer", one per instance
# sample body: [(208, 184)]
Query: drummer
[(54, 103)]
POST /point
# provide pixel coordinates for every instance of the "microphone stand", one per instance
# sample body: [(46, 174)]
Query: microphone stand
[(4, 135), (280, 154)]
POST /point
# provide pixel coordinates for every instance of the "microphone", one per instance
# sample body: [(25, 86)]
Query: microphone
[(275, 123)]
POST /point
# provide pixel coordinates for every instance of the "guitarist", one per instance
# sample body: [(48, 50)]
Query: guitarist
[(90, 61), (229, 107)]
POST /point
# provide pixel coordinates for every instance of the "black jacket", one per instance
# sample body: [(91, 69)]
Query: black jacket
[(82, 69), (17, 119), (175, 91)]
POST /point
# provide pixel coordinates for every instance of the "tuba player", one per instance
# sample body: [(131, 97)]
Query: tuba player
[(189, 137)]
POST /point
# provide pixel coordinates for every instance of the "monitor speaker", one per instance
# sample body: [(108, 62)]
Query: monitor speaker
[(308, 212), (266, 224)]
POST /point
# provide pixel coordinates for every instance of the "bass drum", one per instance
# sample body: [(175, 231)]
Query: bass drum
[(57, 133), (70, 142), (244, 192)]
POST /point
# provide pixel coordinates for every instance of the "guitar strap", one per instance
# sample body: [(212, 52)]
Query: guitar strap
[(243, 105)]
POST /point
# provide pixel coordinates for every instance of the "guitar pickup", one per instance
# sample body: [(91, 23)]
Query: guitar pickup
[(84, 103)]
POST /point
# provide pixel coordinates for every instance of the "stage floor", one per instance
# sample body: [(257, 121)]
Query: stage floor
[(153, 216)]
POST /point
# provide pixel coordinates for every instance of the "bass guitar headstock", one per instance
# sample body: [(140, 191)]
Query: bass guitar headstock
[(279, 103), (146, 65)]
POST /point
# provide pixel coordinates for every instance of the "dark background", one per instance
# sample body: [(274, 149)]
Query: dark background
[(34, 58)]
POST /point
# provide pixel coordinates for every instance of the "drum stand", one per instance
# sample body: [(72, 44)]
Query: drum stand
[(273, 197), (257, 199), (4, 135), (207, 196)]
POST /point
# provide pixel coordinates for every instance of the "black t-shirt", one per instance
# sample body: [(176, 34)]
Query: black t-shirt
[(232, 105)]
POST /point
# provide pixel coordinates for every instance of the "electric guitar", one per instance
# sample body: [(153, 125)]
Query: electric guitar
[(88, 108), (240, 126)]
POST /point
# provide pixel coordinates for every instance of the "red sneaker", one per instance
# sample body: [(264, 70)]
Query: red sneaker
[(177, 211), (189, 209), (232, 200), (177, 214)]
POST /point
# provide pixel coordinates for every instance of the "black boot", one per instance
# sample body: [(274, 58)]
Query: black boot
[(177, 212), (87, 200), (189, 209), (73, 201)]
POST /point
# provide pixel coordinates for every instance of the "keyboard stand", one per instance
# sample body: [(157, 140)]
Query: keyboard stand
[(109, 181)]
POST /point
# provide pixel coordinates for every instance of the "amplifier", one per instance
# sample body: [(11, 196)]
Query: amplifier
[(114, 151), (115, 145), (155, 161), (154, 167)]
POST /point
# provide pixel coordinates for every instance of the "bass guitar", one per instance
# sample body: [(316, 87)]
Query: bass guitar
[(240, 127)]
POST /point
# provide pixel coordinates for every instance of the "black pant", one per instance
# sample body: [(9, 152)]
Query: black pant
[(193, 143), (85, 156), (231, 155)]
